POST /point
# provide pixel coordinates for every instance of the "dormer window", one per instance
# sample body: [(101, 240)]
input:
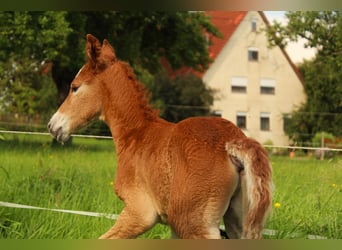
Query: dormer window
[(254, 25)]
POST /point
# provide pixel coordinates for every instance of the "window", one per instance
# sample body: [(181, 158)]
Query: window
[(267, 86), (241, 120), (239, 85), (264, 121), (253, 25), (253, 54)]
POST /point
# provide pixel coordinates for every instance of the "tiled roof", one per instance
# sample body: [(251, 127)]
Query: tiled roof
[(226, 22)]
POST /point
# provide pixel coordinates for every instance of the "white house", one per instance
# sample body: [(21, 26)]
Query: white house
[(256, 85)]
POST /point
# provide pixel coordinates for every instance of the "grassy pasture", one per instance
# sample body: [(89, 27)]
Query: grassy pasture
[(307, 196)]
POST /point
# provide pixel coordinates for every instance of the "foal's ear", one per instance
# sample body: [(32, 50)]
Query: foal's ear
[(93, 48), (107, 53), (99, 56)]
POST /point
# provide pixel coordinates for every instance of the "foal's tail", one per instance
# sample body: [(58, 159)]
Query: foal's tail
[(258, 181)]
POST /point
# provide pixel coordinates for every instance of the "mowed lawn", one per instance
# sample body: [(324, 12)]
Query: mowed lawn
[(307, 195)]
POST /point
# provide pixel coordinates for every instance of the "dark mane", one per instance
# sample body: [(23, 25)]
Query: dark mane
[(143, 94)]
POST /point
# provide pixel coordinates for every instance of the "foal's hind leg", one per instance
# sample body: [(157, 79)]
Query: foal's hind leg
[(234, 216), (201, 220), (196, 230), (196, 216), (135, 219), (233, 219)]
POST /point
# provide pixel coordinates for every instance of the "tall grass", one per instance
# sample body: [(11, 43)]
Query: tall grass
[(77, 177), (307, 198)]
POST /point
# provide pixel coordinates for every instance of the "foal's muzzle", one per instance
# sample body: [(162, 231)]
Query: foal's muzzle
[(59, 128)]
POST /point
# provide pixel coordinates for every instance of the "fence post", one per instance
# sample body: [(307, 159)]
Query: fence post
[(322, 146)]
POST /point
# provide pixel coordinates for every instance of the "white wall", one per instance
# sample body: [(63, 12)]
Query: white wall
[(272, 64)]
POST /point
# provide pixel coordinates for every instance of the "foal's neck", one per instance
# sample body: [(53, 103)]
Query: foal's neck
[(126, 108)]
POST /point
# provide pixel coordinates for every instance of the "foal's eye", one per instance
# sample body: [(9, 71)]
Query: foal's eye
[(74, 88)]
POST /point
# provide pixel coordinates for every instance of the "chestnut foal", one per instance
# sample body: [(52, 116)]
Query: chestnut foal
[(188, 175)]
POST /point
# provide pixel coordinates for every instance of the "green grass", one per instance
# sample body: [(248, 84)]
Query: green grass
[(80, 177), (309, 192), (77, 177)]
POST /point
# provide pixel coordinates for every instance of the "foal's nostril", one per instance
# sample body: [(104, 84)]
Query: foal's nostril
[(50, 123), (56, 132), (59, 131), (50, 127), (53, 131)]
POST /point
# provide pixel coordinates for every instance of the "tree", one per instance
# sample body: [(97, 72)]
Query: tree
[(26, 90), (322, 76), (27, 41), (31, 40), (321, 29), (140, 37), (181, 97)]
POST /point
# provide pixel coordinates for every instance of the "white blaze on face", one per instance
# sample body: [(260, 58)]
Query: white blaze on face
[(79, 72)]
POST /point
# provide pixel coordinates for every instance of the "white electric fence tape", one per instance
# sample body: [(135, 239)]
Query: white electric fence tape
[(48, 134), (109, 137), (268, 232), (93, 214)]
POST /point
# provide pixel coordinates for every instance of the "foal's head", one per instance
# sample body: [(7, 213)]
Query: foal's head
[(84, 101)]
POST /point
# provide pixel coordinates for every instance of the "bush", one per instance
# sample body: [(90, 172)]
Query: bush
[(328, 141), (317, 139)]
